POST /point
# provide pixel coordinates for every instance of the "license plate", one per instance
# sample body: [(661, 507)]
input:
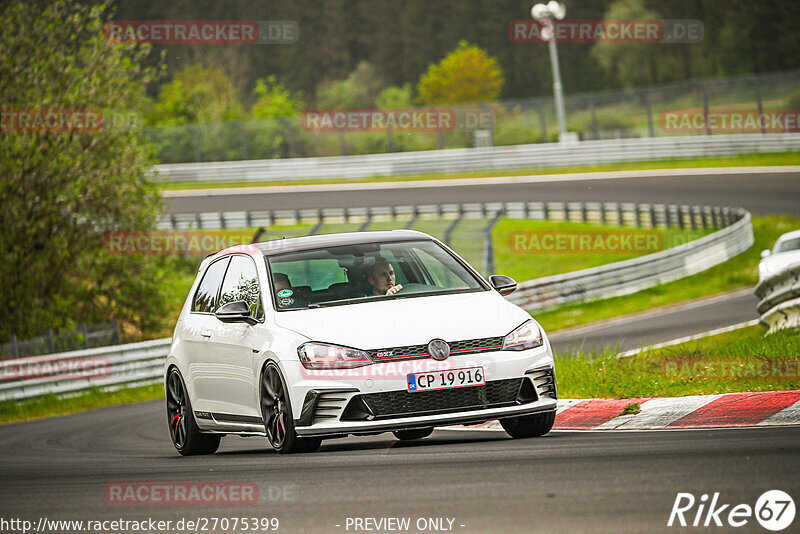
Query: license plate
[(449, 378)]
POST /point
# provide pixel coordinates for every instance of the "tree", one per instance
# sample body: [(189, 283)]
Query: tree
[(468, 74), (358, 90), (395, 98), (274, 100), (635, 64), (196, 94), (61, 191)]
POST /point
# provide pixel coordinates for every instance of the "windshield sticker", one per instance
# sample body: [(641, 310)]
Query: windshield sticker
[(288, 301), (285, 293)]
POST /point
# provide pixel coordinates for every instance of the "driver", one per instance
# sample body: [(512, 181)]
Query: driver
[(381, 278)]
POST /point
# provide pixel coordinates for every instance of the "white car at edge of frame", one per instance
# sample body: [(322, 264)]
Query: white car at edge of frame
[(784, 254), (301, 340)]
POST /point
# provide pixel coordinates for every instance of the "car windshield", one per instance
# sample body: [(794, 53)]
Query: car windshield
[(358, 273), (789, 244)]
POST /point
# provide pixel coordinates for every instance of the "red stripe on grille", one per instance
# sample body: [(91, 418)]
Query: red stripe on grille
[(409, 356)]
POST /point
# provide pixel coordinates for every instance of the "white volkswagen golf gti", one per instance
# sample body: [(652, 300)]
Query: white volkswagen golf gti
[(326, 336)]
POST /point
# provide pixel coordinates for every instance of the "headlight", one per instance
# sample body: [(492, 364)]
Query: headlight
[(324, 356), (526, 336)]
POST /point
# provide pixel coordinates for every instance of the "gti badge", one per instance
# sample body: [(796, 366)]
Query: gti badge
[(439, 349)]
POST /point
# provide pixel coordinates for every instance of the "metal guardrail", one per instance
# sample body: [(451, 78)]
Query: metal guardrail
[(474, 159), (633, 275), (129, 364), (140, 363), (780, 300), (83, 337)]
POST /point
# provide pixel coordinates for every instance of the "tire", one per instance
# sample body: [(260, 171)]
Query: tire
[(415, 433), (183, 429), (277, 414), (529, 426)]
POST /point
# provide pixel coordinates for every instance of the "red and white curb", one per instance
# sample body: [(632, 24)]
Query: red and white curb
[(767, 408)]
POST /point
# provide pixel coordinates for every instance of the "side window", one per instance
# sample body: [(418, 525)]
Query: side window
[(205, 299), (241, 283)]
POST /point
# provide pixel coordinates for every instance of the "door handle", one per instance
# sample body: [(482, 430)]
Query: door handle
[(205, 332)]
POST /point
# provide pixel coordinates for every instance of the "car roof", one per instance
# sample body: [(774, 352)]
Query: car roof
[(788, 235), (313, 242)]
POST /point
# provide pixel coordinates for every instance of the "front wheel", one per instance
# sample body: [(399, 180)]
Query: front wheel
[(186, 436), (529, 426), (277, 414)]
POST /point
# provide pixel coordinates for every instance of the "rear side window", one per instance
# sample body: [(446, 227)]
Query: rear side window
[(205, 299), (241, 283)]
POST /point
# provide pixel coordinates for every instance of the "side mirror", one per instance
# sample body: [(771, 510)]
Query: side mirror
[(765, 253), (505, 285), (236, 312)]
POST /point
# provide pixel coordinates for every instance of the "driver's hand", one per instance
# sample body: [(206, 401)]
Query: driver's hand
[(394, 289)]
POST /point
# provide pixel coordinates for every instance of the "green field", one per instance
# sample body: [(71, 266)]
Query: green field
[(738, 361)]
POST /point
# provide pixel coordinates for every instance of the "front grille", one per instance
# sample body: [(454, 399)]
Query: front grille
[(494, 394), (410, 352)]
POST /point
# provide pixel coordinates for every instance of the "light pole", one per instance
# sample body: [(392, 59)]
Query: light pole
[(546, 13)]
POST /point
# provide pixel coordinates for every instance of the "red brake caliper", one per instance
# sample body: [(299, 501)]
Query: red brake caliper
[(280, 420), (176, 420)]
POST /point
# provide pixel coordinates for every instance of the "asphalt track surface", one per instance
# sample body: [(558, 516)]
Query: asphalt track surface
[(760, 193), (660, 325), (564, 482)]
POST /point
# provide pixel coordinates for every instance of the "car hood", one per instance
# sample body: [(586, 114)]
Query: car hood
[(407, 321), (778, 263)]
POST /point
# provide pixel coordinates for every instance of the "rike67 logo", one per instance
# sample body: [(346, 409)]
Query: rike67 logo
[(774, 510)]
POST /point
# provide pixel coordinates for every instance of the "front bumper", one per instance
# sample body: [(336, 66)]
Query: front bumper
[(372, 399), (468, 417)]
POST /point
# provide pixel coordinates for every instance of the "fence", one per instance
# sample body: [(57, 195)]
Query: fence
[(139, 363), (82, 337), (131, 364), (473, 159), (780, 300), (614, 114)]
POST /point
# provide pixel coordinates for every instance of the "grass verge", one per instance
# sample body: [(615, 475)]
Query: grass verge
[(743, 160), (738, 272), (738, 361), (49, 405)]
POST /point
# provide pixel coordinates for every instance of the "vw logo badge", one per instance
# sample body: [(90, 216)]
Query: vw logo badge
[(439, 349)]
